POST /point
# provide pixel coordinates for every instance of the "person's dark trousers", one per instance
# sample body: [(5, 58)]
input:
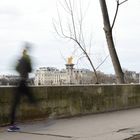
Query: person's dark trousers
[(21, 90)]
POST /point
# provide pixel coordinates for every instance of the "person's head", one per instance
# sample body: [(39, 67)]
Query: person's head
[(24, 52), (27, 47)]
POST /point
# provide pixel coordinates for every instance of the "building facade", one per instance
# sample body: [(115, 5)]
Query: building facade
[(70, 75)]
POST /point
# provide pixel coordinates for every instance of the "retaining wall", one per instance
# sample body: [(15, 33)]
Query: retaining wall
[(67, 101)]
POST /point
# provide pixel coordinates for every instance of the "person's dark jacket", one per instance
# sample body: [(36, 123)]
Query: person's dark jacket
[(24, 67)]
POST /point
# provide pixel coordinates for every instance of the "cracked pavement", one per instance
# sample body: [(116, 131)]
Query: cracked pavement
[(119, 125)]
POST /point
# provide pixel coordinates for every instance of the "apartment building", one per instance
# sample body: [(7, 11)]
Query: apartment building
[(70, 75)]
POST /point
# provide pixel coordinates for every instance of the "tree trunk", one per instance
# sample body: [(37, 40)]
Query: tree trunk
[(109, 38)]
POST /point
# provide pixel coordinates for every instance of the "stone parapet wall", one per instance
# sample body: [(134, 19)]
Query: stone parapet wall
[(68, 101)]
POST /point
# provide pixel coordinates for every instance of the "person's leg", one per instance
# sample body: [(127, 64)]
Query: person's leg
[(15, 103), (29, 94)]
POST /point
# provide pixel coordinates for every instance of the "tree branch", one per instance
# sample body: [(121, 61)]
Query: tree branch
[(115, 15), (75, 34), (102, 62), (73, 21), (118, 4), (123, 2)]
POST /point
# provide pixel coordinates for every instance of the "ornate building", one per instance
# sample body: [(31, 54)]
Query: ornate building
[(70, 75)]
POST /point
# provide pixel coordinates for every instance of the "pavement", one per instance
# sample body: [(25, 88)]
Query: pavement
[(118, 125)]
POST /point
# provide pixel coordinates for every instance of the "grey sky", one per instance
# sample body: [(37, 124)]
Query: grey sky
[(31, 20)]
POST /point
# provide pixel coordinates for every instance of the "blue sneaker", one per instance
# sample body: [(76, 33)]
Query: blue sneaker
[(13, 128)]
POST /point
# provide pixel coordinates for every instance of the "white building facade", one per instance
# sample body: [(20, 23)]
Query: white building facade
[(53, 76)]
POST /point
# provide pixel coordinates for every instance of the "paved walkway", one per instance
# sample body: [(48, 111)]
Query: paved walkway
[(106, 126)]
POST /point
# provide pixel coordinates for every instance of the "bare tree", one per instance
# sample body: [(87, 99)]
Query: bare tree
[(75, 29), (109, 38)]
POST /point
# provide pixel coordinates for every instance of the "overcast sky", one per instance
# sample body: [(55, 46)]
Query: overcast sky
[(31, 20)]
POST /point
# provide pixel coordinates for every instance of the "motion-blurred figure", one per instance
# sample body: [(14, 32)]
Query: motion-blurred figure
[(23, 67)]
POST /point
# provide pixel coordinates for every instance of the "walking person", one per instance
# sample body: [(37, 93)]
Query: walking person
[(23, 67)]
